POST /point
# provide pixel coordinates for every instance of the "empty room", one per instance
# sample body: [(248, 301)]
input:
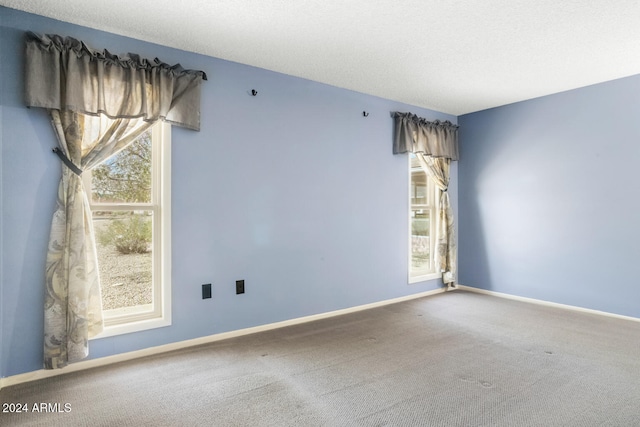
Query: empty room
[(319, 213)]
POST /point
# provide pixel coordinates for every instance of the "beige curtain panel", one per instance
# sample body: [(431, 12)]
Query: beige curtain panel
[(65, 74), (435, 144), (73, 297), (99, 103), (438, 169)]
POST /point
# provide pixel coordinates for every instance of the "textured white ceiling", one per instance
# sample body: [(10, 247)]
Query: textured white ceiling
[(453, 56)]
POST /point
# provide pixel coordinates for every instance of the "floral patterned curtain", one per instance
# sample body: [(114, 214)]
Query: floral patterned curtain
[(73, 303), (99, 103), (438, 169)]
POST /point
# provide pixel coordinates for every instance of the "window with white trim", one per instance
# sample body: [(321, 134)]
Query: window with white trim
[(422, 223), (129, 195)]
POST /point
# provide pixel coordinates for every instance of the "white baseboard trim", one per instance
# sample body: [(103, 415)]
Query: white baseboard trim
[(547, 303), (108, 360)]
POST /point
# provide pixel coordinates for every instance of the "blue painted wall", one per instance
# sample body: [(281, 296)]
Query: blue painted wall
[(549, 198), (293, 191)]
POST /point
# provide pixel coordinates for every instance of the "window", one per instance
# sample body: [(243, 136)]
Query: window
[(422, 223), (129, 195)]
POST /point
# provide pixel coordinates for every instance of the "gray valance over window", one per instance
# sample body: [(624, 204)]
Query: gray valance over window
[(64, 74), (414, 134)]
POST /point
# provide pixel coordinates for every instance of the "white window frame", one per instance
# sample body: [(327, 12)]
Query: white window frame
[(158, 314), (432, 206)]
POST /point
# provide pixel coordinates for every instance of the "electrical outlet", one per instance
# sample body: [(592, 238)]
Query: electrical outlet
[(206, 291), (239, 287)]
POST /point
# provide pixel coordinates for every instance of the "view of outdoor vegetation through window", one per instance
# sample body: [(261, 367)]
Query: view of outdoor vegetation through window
[(121, 200)]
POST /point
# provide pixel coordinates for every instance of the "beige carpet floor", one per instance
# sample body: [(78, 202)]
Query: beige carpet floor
[(454, 359)]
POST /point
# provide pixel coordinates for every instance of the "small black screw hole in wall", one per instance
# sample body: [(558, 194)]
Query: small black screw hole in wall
[(206, 291), (239, 287)]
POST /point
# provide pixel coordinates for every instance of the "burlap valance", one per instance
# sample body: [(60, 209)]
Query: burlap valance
[(65, 74), (413, 134)]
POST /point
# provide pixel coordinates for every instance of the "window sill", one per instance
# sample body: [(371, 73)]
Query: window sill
[(127, 328), (424, 278)]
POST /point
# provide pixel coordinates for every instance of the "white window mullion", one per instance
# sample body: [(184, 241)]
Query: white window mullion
[(123, 207)]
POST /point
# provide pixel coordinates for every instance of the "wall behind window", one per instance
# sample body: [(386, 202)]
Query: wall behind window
[(292, 190), (549, 198)]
